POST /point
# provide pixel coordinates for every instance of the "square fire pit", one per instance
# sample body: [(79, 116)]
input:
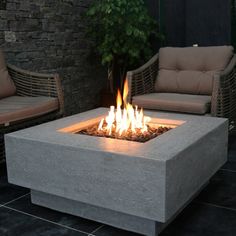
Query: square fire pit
[(135, 186)]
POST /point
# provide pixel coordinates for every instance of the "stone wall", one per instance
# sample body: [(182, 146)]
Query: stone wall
[(49, 36)]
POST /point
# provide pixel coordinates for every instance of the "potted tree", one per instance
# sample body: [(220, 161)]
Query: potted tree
[(120, 31)]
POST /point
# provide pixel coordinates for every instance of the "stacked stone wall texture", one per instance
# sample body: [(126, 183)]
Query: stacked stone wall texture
[(49, 36)]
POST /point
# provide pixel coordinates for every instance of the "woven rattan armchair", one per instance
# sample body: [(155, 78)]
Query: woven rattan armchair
[(223, 100), (31, 84)]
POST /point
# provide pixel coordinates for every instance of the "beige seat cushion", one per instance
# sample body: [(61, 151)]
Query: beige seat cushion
[(7, 87), (190, 70), (187, 103), (17, 108)]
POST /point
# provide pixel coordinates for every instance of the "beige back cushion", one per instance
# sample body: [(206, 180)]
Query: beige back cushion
[(7, 87), (190, 70)]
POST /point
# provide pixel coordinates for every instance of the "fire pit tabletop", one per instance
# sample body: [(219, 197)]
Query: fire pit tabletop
[(110, 179)]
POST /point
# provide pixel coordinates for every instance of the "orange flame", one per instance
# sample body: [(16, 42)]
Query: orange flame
[(118, 99), (125, 92), (130, 119)]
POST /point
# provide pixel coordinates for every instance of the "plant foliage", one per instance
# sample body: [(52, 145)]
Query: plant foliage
[(121, 30)]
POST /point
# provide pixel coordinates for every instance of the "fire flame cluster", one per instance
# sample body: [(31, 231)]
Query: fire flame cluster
[(121, 121)]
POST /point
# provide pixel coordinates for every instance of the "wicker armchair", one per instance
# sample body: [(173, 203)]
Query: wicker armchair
[(223, 100), (31, 84)]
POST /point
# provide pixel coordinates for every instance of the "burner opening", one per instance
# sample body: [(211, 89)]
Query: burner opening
[(152, 131)]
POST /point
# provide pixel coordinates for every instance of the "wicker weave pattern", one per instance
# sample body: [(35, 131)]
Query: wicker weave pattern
[(36, 84), (224, 95), (33, 84), (142, 80)]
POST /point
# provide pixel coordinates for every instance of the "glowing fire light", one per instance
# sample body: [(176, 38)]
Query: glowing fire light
[(121, 121)]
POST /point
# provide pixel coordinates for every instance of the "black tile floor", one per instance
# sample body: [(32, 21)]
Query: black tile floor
[(212, 213)]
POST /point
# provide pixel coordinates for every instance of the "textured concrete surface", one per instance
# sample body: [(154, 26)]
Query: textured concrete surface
[(102, 215), (213, 212), (152, 180)]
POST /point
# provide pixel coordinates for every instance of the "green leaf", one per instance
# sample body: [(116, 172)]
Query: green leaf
[(120, 30)]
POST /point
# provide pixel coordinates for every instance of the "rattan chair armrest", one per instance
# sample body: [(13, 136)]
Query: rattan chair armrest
[(34, 84), (230, 67), (141, 80), (215, 94), (224, 92)]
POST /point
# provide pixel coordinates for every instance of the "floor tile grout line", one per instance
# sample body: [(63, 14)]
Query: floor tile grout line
[(49, 221), (233, 171), (22, 196), (98, 228), (5, 205), (214, 205)]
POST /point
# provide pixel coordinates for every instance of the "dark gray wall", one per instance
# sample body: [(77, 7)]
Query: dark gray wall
[(153, 6), (174, 22), (206, 22), (49, 35)]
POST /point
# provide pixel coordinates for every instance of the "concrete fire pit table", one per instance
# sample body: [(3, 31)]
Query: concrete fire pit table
[(135, 186)]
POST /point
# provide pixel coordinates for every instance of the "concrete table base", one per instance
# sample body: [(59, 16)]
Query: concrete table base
[(102, 215), (139, 187)]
